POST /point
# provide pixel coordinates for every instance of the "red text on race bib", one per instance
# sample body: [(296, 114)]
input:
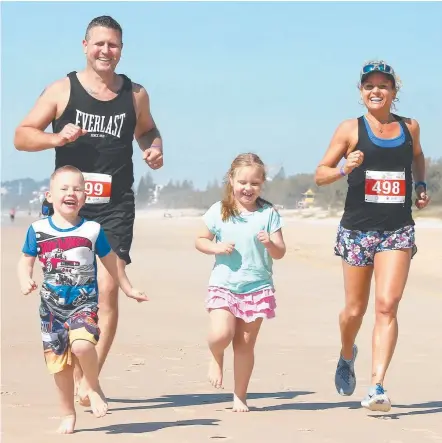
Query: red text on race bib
[(385, 187)]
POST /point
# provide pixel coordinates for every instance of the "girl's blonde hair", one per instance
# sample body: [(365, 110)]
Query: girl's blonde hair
[(228, 204)]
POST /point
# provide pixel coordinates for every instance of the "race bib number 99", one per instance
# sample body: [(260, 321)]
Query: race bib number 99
[(385, 187), (98, 187)]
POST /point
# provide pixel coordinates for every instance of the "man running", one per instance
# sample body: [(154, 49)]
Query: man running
[(95, 115)]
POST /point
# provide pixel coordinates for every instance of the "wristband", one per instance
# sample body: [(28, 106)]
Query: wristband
[(423, 184), (342, 172)]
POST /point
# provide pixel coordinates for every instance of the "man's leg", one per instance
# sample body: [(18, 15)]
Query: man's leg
[(107, 322), (108, 311), (117, 223)]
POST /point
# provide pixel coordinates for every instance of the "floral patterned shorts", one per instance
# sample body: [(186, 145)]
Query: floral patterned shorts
[(358, 248)]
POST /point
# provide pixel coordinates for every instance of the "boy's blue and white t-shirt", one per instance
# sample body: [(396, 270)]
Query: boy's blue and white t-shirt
[(69, 265), (249, 267)]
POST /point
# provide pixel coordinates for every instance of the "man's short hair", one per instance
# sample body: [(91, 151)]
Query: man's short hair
[(106, 21)]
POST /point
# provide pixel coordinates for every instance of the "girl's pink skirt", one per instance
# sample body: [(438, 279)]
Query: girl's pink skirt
[(248, 307)]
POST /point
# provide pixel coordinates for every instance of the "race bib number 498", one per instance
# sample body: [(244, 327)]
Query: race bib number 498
[(385, 187), (98, 187)]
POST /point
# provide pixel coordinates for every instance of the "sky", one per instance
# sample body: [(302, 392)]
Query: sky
[(229, 77)]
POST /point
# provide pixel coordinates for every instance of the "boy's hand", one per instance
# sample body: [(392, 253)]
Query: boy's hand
[(137, 295), (27, 286)]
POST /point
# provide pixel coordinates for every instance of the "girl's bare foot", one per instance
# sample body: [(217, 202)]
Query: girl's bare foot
[(216, 371), (98, 403), (67, 425), (239, 405)]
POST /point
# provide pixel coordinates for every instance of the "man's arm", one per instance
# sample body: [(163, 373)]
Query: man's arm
[(146, 132), (30, 135)]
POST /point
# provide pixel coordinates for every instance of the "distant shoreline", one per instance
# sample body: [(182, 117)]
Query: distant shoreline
[(311, 216)]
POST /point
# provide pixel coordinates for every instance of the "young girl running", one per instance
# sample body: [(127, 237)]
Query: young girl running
[(248, 236)]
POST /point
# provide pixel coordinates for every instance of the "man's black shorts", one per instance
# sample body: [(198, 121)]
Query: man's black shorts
[(117, 220)]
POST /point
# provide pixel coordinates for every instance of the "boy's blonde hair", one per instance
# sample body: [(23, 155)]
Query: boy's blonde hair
[(67, 168)]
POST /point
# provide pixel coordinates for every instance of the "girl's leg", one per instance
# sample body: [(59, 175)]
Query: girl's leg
[(244, 359), (221, 332), (64, 381)]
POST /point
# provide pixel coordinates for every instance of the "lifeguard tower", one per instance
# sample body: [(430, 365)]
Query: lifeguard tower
[(308, 199)]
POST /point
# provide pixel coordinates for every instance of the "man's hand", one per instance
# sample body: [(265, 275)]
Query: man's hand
[(69, 134), (153, 157)]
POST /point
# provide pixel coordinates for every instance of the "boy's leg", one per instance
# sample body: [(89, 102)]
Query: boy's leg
[(64, 381), (83, 336), (87, 356), (58, 361)]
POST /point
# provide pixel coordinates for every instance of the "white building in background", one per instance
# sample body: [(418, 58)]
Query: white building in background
[(156, 194)]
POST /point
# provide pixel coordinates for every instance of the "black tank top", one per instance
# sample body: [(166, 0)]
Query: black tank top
[(107, 147), (377, 201)]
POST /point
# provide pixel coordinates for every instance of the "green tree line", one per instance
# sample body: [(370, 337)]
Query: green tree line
[(281, 190)]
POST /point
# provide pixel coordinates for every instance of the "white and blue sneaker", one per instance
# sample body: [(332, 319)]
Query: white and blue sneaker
[(345, 378), (376, 399)]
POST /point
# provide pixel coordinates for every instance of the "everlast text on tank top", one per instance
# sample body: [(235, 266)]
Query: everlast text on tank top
[(104, 154), (379, 193)]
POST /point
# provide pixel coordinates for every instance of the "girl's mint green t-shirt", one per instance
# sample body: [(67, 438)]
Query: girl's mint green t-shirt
[(249, 267)]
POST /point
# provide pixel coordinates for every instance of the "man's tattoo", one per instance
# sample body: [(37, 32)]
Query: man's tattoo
[(147, 139)]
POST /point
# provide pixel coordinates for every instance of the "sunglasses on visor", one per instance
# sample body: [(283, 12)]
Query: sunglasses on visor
[(381, 67)]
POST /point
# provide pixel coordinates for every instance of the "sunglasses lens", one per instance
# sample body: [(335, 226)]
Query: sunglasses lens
[(375, 67)]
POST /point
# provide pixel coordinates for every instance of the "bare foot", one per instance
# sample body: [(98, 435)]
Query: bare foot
[(67, 425), (239, 405), (98, 403), (216, 372), (82, 395)]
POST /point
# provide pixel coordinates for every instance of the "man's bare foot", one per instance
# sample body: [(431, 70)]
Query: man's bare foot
[(67, 425), (216, 372), (82, 395), (98, 403), (239, 405)]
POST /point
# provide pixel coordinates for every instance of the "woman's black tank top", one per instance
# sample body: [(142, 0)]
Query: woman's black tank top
[(379, 196)]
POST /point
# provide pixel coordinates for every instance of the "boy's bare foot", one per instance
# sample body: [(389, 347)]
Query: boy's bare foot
[(67, 425), (239, 405), (216, 371), (98, 403)]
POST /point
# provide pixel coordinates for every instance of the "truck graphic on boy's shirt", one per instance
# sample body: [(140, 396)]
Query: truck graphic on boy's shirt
[(55, 260)]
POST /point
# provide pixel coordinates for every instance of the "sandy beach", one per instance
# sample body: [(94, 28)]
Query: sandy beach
[(155, 375)]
